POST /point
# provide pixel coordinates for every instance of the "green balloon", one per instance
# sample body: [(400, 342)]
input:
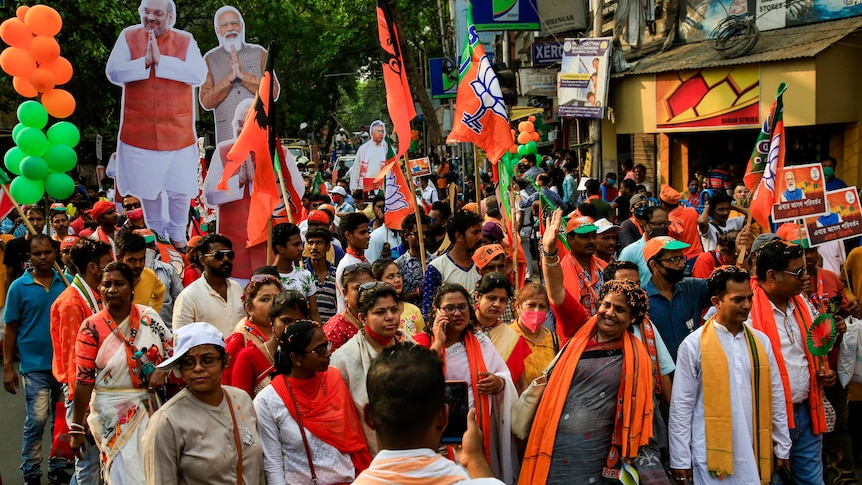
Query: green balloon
[(522, 150), (61, 158), (12, 160), (26, 191), (64, 133), (16, 130), (32, 142), (531, 147), (59, 185), (34, 168), (33, 114)]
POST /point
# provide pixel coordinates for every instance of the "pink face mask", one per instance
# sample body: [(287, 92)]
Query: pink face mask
[(533, 319), (135, 214)]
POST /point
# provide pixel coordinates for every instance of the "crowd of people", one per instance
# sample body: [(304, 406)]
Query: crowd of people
[(622, 342)]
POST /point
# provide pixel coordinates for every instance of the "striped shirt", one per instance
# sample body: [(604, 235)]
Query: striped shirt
[(326, 299)]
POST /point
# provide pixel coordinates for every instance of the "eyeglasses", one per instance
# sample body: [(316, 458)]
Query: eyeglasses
[(799, 273), (453, 309), (674, 259), (408, 234), (321, 350), (189, 363), (221, 254), (132, 206)]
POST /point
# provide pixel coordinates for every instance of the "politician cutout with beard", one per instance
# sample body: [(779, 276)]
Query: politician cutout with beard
[(235, 70), (370, 158)]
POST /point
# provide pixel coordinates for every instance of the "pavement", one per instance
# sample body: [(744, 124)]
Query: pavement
[(11, 430)]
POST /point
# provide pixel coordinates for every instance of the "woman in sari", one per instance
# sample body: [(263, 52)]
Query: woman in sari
[(255, 328), (596, 425), (309, 429), (116, 352), (208, 432), (387, 271), (492, 296), (469, 356), (380, 314), (343, 326), (256, 363)]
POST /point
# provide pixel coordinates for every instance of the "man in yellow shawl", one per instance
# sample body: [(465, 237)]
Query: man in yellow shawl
[(727, 430)]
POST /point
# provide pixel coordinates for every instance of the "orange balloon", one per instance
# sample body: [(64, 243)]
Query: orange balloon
[(59, 103), (16, 61), (521, 127), (523, 137), (528, 126), (15, 33), (536, 137), (43, 20), (44, 49), (23, 87), (532, 118), (21, 12), (514, 149), (61, 68), (42, 80)]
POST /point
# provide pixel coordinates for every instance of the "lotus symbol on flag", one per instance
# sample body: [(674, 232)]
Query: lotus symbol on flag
[(394, 198), (487, 89)]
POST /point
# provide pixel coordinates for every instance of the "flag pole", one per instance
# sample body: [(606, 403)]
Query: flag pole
[(30, 228), (741, 256), (412, 187), (512, 241), (283, 187), (272, 138), (269, 241), (452, 197), (478, 181)]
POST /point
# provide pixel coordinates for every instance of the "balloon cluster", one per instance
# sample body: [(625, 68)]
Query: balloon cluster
[(527, 137), (40, 158), (33, 58)]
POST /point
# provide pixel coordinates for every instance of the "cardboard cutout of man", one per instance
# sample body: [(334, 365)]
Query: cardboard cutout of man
[(370, 157), (233, 205), (157, 154), (235, 70)]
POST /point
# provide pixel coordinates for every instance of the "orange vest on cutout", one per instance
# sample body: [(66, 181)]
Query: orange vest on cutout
[(157, 112)]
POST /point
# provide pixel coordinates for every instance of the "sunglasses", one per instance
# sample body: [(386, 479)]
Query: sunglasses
[(799, 274), (354, 268), (264, 278), (221, 254)]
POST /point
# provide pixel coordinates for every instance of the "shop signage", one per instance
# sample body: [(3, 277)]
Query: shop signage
[(547, 53), (562, 15), (505, 15), (537, 82), (842, 221), (801, 193), (583, 81), (719, 97), (444, 77)]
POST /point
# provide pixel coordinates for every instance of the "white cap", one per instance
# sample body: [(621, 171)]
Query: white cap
[(189, 336), (603, 225), (339, 190)]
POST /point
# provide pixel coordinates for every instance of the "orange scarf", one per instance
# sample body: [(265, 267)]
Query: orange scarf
[(327, 412), (481, 401), (762, 319), (636, 395)]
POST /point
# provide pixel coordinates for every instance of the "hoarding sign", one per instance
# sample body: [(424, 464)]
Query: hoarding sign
[(505, 15), (583, 82), (843, 221), (717, 97), (801, 193)]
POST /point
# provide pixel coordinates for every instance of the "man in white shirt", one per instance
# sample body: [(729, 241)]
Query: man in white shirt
[(714, 220), (693, 423), (779, 311), (214, 297), (408, 376), (354, 228)]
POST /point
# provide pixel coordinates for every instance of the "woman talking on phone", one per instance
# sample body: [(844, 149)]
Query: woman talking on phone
[(470, 356)]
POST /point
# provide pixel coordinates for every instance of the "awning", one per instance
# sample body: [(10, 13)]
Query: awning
[(520, 112), (773, 45)]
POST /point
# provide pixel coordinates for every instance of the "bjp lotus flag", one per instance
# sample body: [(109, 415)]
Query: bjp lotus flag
[(767, 161), (400, 203), (255, 141), (399, 101), (480, 113)]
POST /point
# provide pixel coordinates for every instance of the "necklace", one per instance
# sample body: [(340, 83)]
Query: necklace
[(268, 353)]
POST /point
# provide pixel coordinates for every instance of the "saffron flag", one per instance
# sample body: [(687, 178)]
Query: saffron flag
[(399, 101), (256, 140), (7, 205), (400, 203), (767, 161), (480, 113)]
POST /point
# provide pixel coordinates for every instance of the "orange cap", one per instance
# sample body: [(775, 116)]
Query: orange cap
[(483, 255), (657, 244), (669, 194), (581, 225)]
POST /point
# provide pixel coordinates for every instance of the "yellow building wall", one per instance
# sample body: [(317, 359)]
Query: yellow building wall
[(800, 99)]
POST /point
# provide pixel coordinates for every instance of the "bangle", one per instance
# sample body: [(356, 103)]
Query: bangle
[(555, 263), (77, 426), (78, 432), (547, 254)]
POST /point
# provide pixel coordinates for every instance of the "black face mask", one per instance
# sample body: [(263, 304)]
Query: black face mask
[(673, 275)]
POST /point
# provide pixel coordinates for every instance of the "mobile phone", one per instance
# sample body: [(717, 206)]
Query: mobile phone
[(459, 406), (834, 304)]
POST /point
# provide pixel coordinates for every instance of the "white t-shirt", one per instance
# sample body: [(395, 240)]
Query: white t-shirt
[(710, 239), (300, 280)]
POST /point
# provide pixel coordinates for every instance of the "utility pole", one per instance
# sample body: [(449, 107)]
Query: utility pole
[(596, 124)]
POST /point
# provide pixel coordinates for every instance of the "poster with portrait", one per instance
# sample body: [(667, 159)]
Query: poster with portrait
[(801, 192), (843, 220), (583, 79), (420, 166)]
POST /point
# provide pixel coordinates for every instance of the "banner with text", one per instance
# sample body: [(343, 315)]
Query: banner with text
[(583, 82), (505, 14), (842, 221), (420, 166), (801, 193), (717, 97)]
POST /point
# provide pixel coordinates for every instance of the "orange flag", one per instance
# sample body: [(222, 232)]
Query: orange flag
[(480, 113), (253, 141), (399, 101), (400, 203)]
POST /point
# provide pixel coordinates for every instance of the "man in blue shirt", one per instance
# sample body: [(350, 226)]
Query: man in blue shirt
[(28, 331), (675, 303), (832, 182)]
